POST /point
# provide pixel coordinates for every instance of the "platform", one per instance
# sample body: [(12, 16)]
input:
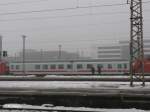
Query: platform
[(75, 93), (86, 88)]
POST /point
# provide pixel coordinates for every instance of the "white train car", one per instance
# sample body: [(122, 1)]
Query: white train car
[(70, 67)]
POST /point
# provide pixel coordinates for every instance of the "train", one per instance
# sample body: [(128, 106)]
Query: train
[(71, 67)]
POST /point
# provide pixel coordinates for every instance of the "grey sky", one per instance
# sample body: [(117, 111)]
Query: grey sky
[(46, 30)]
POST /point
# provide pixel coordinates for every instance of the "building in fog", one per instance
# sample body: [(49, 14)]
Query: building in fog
[(125, 48), (119, 51), (109, 52), (34, 55)]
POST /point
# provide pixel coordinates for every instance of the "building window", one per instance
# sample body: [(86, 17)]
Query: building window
[(53, 66), (37, 67), (79, 66), (69, 66), (17, 67), (45, 67), (100, 65), (125, 66), (12, 66), (61, 66), (119, 66), (109, 66), (89, 66)]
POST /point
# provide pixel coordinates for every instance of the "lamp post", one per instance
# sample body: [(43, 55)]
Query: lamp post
[(23, 55), (59, 52)]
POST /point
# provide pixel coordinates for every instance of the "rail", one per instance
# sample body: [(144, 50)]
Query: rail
[(73, 78)]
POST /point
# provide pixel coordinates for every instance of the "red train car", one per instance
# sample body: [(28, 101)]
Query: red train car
[(147, 66), (138, 65), (4, 69)]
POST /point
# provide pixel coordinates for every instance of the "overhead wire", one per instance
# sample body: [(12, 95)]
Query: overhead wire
[(62, 9), (65, 9), (22, 2), (67, 16), (36, 1), (86, 14)]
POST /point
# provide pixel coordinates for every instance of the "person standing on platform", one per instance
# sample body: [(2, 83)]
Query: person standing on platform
[(93, 70), (99, 70)]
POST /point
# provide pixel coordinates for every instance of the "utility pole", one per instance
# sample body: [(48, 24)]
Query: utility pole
[(23, 55), (136, 42), (41, 55), (59, 52)]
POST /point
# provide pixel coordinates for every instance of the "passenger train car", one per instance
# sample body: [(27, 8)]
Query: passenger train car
[(70, 67)]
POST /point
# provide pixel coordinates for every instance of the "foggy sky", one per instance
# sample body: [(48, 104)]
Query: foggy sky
[(46, 30)]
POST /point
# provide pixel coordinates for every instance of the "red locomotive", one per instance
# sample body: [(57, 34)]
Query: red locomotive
[(4, 68), (138, 66)]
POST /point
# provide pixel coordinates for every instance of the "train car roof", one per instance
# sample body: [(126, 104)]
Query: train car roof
[(75, 60)]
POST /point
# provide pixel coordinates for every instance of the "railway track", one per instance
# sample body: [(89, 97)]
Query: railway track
[(73, 78)]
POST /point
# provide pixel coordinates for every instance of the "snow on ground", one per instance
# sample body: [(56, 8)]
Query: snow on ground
[(100, 110), (123, 110), (70, 84), (62, 108), (59, 84), (105, 110)]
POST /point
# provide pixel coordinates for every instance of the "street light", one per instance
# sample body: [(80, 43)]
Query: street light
[(59, 53), (23, 54)]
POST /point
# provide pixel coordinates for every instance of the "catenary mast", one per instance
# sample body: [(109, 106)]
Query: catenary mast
[(136, 42)]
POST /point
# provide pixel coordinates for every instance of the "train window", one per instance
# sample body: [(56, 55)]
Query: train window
[(79, 66), (109, 66), (12, 66), (45, 67), (125, 66), (119, 66), (53, 66), (37, 66), (89, 66), (61, 66), (69, 66), (100, 65), (17, 67)]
